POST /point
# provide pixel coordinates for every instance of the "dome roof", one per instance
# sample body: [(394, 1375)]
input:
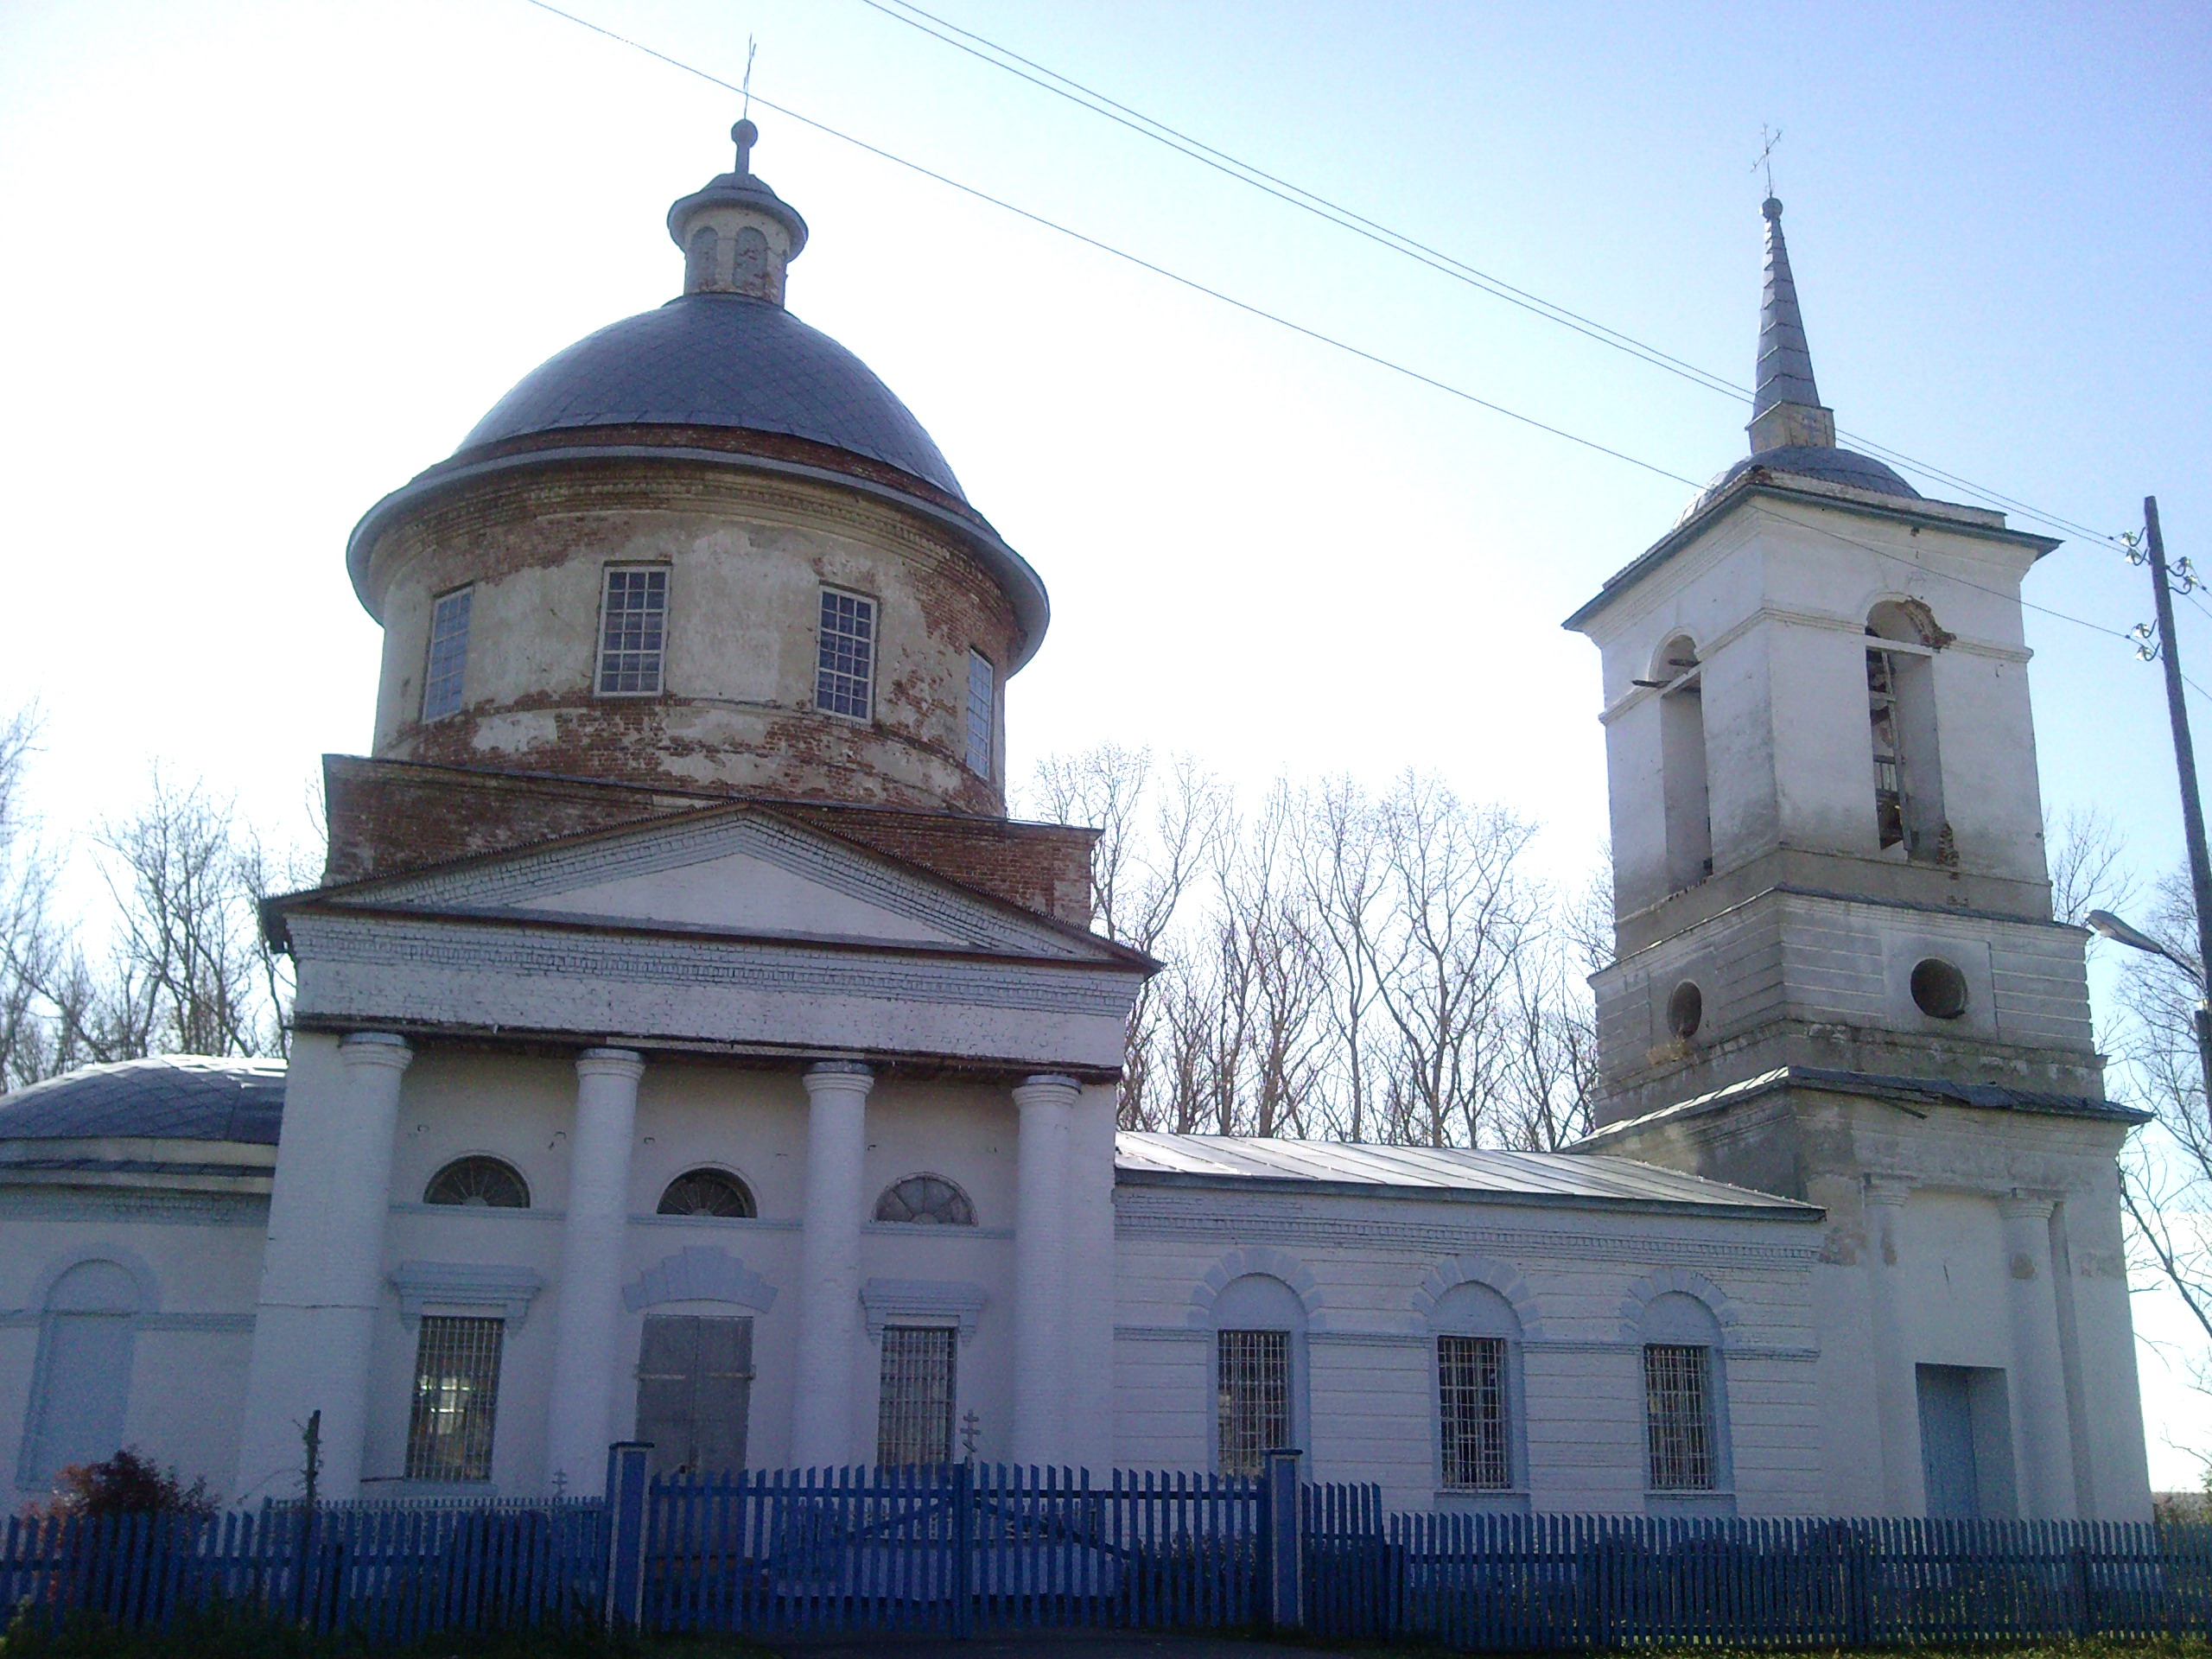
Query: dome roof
[(720, 359), (169, 1097), (1829, 465)]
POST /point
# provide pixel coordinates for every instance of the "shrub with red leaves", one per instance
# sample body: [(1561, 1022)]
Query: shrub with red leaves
[(126, 1483)]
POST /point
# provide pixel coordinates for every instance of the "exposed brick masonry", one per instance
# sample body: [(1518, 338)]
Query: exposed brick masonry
[(390, 816)]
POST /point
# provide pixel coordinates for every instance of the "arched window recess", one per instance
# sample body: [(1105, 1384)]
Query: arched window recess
[(707, 1191), (1686, 798), (1909, 820), (478, 1183), (926, 1200)]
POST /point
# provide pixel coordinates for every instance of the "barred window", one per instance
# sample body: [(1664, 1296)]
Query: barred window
[(983, 704), (448, 657), (1255, 1387), (1471, 1395), (929, 1199), (707, 1192), (632, 630), (844, 674), (478, 1182), (913, 1413), (456, 1394), (1678, 1417)]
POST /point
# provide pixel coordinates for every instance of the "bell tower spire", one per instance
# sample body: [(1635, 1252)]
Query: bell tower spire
[(1786, 411)]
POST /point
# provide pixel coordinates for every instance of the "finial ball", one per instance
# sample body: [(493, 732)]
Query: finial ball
[(1773, 208), (745, 133)]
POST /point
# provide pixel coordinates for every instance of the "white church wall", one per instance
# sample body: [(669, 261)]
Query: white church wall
[(194, 1260), (1361, 1264), (428, 972)]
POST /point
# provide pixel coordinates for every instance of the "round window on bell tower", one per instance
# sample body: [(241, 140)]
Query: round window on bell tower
[(1939, 990), (1686, 1010)]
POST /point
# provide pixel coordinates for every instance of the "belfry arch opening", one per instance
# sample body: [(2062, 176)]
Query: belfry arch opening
[(1681, 764), (1908, 778)]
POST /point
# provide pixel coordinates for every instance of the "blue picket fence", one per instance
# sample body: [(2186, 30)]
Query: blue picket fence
[(965, 1548), (391, 1572), (951, 1550), (1521, 1582)]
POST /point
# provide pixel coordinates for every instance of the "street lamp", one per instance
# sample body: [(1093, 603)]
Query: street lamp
[(2104, 922), (2111, 927)]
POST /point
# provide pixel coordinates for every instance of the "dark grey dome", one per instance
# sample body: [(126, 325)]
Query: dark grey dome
[(720, 359), (170, 1097), (1812, 460)]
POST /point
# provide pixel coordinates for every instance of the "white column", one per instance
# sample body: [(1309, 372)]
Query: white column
[(1091, 1297), (829, 1266), (1040, 1269), (587, 1303), (1897, 1384), (322, 1269), (2038, 1377)]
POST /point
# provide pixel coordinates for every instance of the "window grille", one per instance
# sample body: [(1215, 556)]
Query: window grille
[(1471, 1389), (929, 1199), (632, 630), (1678, 1418), (706, 1193), (844, 675), (449, 655), (1255, 1381), (480, 1182), (983, 685), (456, 1394), (913, 1414)]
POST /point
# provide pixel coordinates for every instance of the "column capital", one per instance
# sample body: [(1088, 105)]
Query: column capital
[(376, 1048), (2017, 1205), (1046, 1089), (611, 1063), (1886, 1189), (839, 1077)]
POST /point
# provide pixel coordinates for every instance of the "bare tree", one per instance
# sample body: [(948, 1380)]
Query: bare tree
[(1547, 1075), (1462, 913), (1157, 836), (2166, 1174), (1342, 863), (2088, 864)]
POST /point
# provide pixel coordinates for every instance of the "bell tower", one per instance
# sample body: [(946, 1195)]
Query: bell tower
[(1838, 976)]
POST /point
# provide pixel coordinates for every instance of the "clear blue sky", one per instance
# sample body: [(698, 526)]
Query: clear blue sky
[(265, 262)]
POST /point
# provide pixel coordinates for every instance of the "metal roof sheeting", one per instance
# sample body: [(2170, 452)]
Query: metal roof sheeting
[(720, 359), (1542, 1177), (169, 1097)]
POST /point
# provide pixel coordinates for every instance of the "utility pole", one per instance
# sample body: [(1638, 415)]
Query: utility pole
[(2192, 805)]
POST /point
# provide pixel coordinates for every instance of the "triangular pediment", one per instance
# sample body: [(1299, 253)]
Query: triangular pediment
[(728, 870)]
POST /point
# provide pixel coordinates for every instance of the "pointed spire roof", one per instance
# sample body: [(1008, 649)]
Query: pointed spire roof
[(1786, 410), (1785, 368)]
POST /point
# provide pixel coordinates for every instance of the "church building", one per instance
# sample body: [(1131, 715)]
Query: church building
[(689, 1048)]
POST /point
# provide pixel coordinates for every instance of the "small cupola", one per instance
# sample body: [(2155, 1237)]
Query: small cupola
[(738, 236)]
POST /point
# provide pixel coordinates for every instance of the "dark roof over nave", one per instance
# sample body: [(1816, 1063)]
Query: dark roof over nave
[(168, 1097)]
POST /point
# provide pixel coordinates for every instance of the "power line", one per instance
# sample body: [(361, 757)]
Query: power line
[(988, 51), (1190, 283), (1254, 310)]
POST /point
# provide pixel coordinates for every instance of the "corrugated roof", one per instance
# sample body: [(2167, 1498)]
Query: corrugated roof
[(169, 1097), (1540, 1177)]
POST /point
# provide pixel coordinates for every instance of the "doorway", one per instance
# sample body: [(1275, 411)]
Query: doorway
[(695, 1392)]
